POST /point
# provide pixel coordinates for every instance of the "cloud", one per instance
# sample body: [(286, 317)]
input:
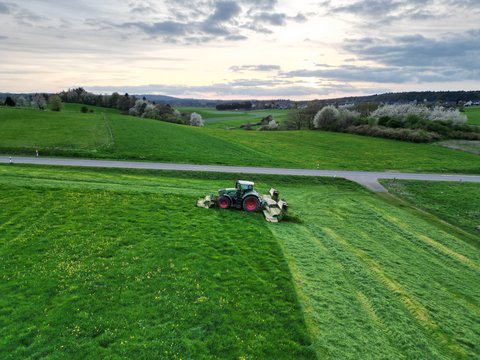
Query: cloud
[(200, 21), (458, 51), (164, 28), (5, 8), (354, 74), (275, 19), (386, 11), (224, 11), (406, 59), (261, 67), (143, 8), (236, 89), (22, 15)]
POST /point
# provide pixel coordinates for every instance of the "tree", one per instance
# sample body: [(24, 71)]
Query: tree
[(55, 103), (9, 101), (113, 100), (39, 101), (326, 119), (294, 120), (196, 119), (123, 103), (22, 102)]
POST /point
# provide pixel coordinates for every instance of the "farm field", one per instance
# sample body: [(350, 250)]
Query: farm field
[(473, 114), (233, 119), (456, 203), (125, 137), (69, 131), (122, 263)]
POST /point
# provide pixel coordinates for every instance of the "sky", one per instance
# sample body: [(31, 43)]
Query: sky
[(245, 49)]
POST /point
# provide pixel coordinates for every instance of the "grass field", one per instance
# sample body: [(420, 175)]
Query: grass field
[(121, 264), (63, 131), (456, 203), (473, 114), (125, 137), (106, 265), (233, 119)]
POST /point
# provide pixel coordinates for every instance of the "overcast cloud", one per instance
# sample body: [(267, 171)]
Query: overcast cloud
[(240, 49)]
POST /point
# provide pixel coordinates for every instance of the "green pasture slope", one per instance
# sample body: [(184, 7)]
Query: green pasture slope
[(473, 114), (67, 131), (122, 264), (111, 135), (456, 203)]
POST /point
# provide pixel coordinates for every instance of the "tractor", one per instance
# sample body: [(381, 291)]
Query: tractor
[(243, 196)]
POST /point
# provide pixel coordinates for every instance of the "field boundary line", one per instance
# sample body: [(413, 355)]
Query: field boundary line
[(109, 130)]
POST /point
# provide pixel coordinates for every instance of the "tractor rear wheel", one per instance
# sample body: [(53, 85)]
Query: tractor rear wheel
[(251, 203), (224, 202)]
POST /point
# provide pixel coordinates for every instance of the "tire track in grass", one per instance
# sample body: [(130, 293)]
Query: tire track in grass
[(414, 307), (445, 286), (433, 243), (443, 242), (397, 259), (393, 226), (336, 318)]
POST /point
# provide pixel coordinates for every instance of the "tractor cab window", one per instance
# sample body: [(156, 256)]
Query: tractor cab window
[(244, 187)]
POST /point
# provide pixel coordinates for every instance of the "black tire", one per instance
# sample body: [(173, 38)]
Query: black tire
[(224, 202), (251, 203)]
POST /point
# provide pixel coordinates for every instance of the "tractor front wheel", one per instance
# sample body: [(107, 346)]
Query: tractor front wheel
[(224, 202), (251, 203)]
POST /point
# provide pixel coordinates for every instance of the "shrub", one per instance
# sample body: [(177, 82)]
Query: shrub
[(55, 103), (327, 119), (196, 119), (295, 120), (272, 125), (396, 134), (347, 117), (409, 113), (84, 109)]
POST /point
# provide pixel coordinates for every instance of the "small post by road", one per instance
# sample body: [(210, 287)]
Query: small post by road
[(10, 158), (36, 153)]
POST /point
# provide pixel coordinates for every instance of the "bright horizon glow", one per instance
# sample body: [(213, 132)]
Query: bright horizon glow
[(223, 49)]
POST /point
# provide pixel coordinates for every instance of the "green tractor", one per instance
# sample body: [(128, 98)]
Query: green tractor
[(243, 196)]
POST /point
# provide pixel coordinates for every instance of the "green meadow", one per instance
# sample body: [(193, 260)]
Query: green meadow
[(111, 264), (473, 114), (231, 120), (456, 203), (111, 135), (122, 264)]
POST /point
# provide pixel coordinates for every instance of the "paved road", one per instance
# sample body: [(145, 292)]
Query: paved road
[(365, 178)]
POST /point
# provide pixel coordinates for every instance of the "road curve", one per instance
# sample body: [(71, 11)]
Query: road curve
[(367, 179)]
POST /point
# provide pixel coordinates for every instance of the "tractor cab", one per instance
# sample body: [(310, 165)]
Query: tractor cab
[(243, 186)]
